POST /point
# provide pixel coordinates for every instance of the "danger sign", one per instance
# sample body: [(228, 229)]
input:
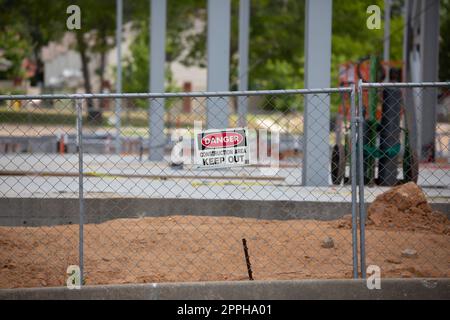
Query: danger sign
[(222, 148)]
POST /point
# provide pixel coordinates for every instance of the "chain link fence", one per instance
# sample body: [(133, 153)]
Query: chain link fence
[(405, 178), (80, 188)]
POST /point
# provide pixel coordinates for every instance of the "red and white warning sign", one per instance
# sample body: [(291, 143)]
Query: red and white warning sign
[(222, 148)]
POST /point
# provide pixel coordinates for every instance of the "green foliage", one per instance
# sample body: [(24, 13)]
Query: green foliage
[(277, 40), (25, 27), (276, 37), (444, 50), (13, 48), (96, 35), (98, 22), (351, 37), (281, 76), (276, 44), (180, 17), (136, 67), (52, 118)]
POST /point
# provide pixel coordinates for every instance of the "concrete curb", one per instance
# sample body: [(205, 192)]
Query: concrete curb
[(397, 289), (34, 212)]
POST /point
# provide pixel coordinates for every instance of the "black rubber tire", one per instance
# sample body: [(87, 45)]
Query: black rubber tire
[(410, 168), (337, 164)]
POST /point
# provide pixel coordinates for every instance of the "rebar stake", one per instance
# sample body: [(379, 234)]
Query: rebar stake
[(247, 259)]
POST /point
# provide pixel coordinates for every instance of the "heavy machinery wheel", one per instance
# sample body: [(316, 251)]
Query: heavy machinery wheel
[(410, 166), (410, 162), (337, 164)]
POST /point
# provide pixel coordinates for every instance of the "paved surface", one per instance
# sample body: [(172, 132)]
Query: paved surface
[(123, 187), (245, 183), (399, 289)]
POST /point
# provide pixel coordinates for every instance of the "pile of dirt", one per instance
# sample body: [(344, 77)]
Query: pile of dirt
[(405, 207)]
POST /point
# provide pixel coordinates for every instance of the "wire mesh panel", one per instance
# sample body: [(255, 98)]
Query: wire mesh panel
[(406, 178), (153, 213), (150, 211), (153, 219), (38, 192)]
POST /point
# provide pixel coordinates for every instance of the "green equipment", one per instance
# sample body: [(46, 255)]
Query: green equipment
[(381, 130)]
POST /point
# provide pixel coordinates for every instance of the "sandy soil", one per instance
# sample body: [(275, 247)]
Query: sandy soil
[(187, 248)]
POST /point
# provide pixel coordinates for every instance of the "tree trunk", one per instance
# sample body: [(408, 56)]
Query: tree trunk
[(39, 74), (82, 48), (94, 116), (102, 102), (101, 70)]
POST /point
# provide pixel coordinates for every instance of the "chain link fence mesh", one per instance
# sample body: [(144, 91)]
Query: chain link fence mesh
[(37, 238), (150, 215), (406, 147)]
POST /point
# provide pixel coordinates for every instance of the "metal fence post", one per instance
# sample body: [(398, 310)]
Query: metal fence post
[(79, 104), (353, 178), (362, 208)]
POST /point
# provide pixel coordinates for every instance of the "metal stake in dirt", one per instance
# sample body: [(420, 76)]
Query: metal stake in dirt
[(247, 260), (79, 105)]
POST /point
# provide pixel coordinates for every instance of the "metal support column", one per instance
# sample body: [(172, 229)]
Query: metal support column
[(429, 49), (218, 43), (316, 166), (244, 21), (157, 63), (118, 107), (387, 37)]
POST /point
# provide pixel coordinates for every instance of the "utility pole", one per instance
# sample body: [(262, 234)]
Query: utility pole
[(387, 37), (244, 22), (118, 109), (218, 47), (157, 61)]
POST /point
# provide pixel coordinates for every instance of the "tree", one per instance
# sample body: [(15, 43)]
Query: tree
[(13, 50), (98, 24), (36, 22), (444, 51), (180, 17), (277, 40)]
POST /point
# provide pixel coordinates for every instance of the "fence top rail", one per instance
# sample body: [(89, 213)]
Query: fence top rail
[(403, 84), (174, 94)]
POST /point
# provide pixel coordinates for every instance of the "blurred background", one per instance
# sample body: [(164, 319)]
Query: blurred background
[(38, 54), (111, 50)]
